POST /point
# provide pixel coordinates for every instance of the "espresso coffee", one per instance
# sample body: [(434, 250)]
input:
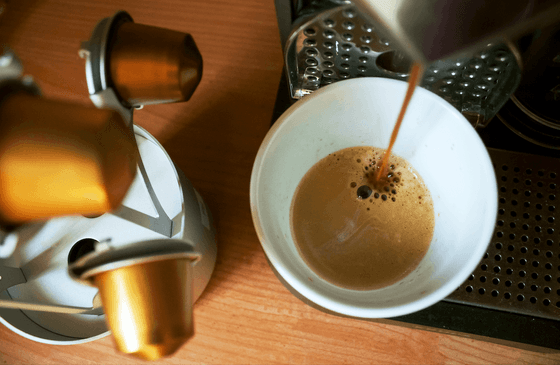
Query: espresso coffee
[(355, 233)]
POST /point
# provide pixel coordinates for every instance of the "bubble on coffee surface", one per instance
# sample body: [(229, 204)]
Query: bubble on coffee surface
[(364, 192)]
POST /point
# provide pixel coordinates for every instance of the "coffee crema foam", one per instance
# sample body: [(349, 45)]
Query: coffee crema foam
[(355, 233)]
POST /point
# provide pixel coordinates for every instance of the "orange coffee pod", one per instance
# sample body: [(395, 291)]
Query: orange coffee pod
[(58, 158)]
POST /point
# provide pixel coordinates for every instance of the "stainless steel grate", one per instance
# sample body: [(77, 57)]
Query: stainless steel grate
[(521, 270), (338, 43)]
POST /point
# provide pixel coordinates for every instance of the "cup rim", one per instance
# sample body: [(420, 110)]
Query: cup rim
[(329, 303)]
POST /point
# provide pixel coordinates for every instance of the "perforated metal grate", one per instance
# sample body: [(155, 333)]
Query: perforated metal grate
[(521, 270), (338, 44)]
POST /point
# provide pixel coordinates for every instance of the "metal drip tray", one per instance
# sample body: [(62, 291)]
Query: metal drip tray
[(520, 272)]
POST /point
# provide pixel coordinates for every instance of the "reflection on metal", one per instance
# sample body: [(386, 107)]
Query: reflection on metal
[(10, 65), (8, 242)]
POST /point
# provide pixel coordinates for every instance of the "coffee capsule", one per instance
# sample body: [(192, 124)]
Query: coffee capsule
[(148, 306), (58, 158), (146, 292), (151, 65)]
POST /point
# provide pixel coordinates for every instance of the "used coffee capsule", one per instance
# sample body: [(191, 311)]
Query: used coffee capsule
[(148, 306), (58, 158), (146, 290)]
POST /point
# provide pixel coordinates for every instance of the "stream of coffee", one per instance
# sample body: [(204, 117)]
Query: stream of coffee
[(415, 76)]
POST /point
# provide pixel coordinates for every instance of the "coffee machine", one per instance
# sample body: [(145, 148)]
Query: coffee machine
[(498, 64), (100, 232)]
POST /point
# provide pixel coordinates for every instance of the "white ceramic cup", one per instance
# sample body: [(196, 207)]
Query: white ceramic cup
[(434, 138)]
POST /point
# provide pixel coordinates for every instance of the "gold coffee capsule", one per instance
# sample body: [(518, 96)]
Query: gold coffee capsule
[(58, 159), (151, 65), (148, 306)]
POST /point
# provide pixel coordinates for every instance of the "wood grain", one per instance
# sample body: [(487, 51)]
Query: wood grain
[(245, 316)]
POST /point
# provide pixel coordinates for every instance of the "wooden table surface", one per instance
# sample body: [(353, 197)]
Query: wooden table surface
[(245, 315)]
